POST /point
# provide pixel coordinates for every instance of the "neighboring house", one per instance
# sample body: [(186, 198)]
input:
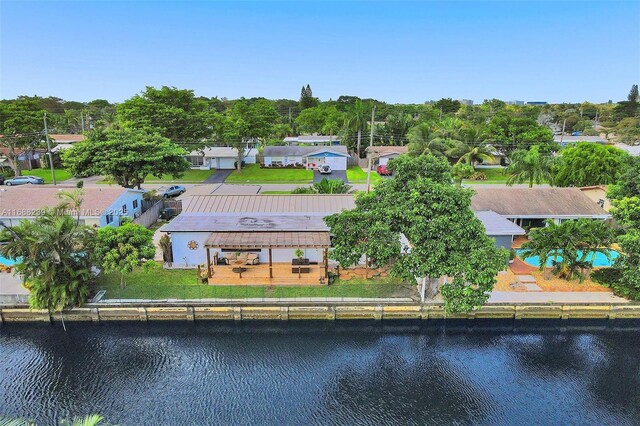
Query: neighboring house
[(530, 207), (380, 155), (630, 149), (101, 206), (572, 140), (262, 225), (598, 194), (63, 141), (502, 230), (312, 140), (307, 156), (28, 159), (220, 158)]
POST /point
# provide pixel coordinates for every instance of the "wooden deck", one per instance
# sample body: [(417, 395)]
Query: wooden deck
[(259, 275)]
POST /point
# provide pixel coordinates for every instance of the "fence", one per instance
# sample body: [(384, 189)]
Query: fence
[(150, 215), (173, 204)]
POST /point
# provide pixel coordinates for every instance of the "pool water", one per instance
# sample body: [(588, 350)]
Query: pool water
[(598, 259), (7, 262)]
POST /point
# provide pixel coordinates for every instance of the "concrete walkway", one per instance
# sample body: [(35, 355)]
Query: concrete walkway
[(554, 297)]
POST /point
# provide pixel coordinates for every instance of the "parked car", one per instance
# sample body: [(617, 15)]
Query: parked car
[(1, 179), (383, 171), (324, 169), (171, 191), (23, 180)]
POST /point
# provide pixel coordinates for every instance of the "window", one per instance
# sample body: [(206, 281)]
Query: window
[(124, 209), (109, 218), (135, 204), (277, 160), (195, 160)]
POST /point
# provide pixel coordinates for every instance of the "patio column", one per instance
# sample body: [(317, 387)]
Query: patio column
[(325, 259), (270, 264), (208, 263)]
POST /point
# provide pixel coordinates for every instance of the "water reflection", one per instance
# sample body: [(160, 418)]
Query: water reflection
[(323, 373)]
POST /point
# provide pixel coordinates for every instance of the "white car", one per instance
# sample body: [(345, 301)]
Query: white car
[(324, 169)]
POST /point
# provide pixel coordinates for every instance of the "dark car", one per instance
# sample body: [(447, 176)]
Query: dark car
[(383, 171)]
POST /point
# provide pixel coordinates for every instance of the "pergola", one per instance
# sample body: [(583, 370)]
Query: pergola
[(270, 240)]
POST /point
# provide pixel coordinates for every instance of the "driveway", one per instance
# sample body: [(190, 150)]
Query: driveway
[(335, 174), (219, 176)]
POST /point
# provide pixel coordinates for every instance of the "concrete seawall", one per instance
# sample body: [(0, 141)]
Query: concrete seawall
[(180, 312)]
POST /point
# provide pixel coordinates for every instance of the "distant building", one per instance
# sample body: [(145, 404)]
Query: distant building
[(537, 103), (466, 101), (515, 103), (572, 140), (314, 140), (220, 158)]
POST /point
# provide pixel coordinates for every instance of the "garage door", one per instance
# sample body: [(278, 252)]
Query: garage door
[(226, 163), (336, 163)]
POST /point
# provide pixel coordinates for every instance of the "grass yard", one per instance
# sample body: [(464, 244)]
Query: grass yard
[(252, 173), (355, 174), (190, 176), (494, 175), (61, 174), (158, 283)]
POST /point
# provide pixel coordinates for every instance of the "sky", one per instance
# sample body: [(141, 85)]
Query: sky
[(555, 51)]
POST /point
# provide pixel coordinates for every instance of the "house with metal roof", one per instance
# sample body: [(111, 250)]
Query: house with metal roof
[(257, 236), (531, 207), (309, 157), (220, 157), (100, 207)]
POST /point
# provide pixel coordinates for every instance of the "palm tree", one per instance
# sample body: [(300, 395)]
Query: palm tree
[(530, 166), (472, 154), (449, 128), (331, 186), (356, 119), (72, 200), (423, 140)]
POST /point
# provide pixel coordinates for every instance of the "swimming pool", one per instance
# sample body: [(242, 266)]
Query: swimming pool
[(598, 259), (7, 262)]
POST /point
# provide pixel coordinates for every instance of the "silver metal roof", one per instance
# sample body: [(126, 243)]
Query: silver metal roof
[(281, 151), (268, 204), (498, 225)]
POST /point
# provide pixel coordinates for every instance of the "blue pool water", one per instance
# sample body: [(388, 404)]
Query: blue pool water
[(599, 259), (7, 262)]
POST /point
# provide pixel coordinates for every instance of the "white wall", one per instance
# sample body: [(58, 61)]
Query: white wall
[(179, 241)]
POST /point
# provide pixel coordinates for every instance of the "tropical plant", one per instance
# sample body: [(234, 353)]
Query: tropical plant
[(121, 249), (461, 171), (589, 164), (531, 167), (572, 245), (55, 255), (331, 186), (423, 140), (165, 246), (356, 120)]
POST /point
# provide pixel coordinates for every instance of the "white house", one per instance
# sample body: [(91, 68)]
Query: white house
[(307, 156), (220, 157), (312, 140), (380, 155), (100, 206)]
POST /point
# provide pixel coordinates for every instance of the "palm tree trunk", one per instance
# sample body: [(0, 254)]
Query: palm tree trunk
[(359, 139), (122, 281)]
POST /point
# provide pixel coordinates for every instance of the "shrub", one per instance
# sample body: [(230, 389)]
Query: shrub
[(608, 277), (80, 184), (303, 190)]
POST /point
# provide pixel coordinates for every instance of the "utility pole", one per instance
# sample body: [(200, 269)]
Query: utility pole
[(82, 121), (46, 134), (373, 114)]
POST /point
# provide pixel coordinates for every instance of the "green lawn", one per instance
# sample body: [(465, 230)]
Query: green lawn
[(494, 175), (190, 176), (158, 283), (355, 174), (252, 173), (61, 174)]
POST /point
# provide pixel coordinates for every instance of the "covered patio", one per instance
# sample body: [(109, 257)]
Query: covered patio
[(241, 271)]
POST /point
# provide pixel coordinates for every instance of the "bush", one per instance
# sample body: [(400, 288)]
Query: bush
[(80, 184), (608, 277), (304, 190), (478, 176)]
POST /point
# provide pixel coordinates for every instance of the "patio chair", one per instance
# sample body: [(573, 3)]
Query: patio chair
[(252, 259)]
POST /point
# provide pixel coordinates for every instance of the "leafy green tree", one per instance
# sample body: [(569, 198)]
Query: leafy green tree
[(628, 265), (571, 244), (319, 119), (127, 156), (174, 113), (120, 249), (627, 211), (461, 171), (507, 133), (246, 123), (531, 167), (447, 240), (587, 164), (55, 258), (628, 108), (447, 105), (21, 129), (628, 183)]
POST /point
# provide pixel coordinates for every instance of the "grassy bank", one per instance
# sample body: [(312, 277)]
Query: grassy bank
[(355, 174), (184, 284), (60, 174)]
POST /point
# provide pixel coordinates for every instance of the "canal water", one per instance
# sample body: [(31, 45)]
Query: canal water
[(308, 373)]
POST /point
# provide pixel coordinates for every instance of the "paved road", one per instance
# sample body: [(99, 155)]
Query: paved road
[(554, 297), (335, 174)]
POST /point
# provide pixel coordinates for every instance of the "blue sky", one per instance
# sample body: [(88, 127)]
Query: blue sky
[(558, 51)]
